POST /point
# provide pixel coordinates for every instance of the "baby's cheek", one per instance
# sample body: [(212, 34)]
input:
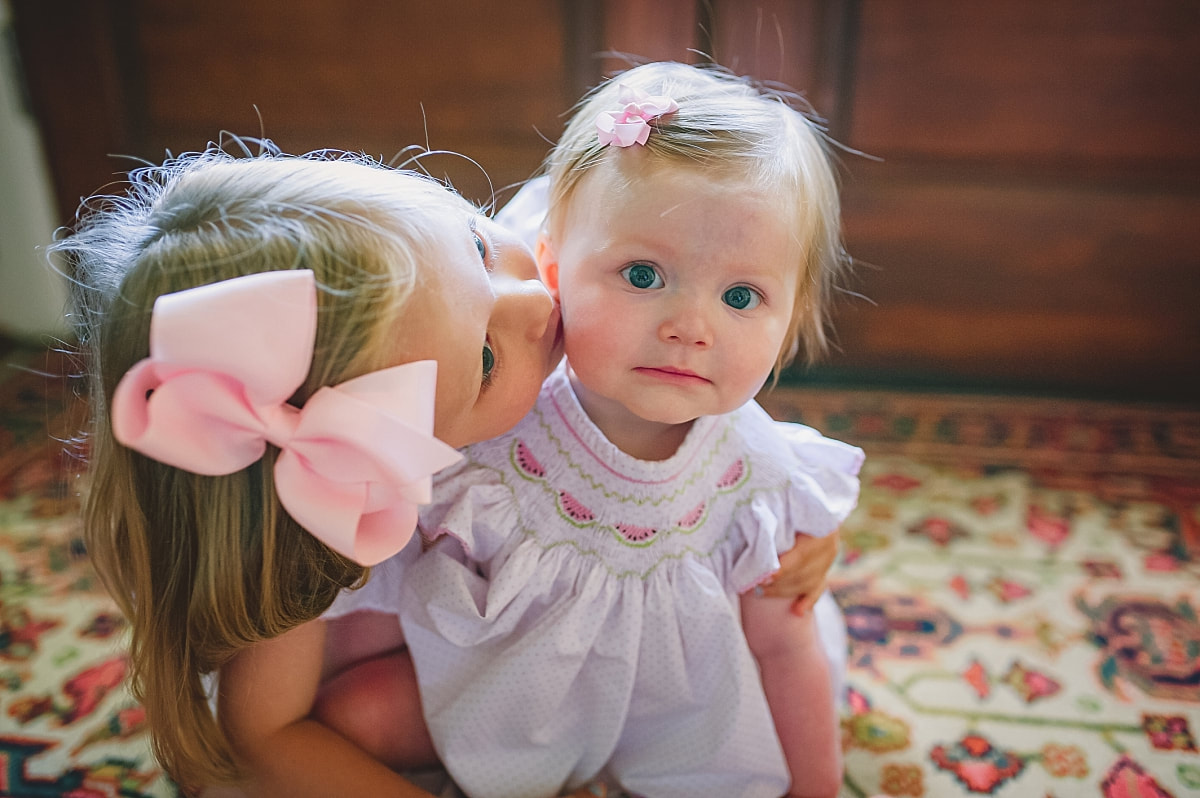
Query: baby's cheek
[(746, 376)]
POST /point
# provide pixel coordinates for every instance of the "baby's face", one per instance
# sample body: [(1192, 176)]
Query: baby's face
[(676, 292), (480, 311)]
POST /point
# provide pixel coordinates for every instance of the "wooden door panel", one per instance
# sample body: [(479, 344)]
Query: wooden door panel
[(1082, 82), (1031, 222)]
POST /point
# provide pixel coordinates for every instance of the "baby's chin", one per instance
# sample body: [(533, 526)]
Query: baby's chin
[(674, 414)]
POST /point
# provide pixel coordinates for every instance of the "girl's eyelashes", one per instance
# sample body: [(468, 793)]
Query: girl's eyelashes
[(741, 297), (480, 244), (489, 363), (642, 275)]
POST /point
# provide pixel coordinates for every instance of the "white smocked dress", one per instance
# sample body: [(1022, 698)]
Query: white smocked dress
[(577, 617)]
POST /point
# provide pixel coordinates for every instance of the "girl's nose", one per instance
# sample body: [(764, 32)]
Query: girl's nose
[(523, 303), (524, 306), (515, 260)]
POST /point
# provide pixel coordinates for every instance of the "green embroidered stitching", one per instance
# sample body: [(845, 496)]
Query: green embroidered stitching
[(556, 496), (565, 454)]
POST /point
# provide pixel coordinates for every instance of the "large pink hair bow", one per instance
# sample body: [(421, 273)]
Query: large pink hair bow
[(631, 124), (355, 461)]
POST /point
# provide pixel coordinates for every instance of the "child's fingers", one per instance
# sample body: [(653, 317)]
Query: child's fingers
[(795, 582), (804, 604)]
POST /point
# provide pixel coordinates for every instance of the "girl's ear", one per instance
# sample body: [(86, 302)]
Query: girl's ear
[(547, 263)]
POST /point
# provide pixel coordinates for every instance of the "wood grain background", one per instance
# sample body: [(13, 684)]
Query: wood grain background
[(1028, 219)]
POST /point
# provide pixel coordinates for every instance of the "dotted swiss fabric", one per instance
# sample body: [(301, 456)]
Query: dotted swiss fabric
[(578, 618)]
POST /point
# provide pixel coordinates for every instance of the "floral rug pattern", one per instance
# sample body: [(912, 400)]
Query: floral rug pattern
[(1021, 583)]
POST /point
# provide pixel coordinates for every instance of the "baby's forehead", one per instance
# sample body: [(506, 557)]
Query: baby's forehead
[(613, 179)]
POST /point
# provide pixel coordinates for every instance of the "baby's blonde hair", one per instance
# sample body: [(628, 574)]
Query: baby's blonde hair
[(734, 130), (204, 566)]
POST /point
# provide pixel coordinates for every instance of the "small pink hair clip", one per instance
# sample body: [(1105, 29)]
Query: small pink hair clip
[(631, 124)]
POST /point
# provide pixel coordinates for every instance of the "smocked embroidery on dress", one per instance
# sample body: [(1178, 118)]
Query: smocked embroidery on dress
[(577, 615)]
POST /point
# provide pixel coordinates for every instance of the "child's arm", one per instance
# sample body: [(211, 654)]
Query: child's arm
[(796, 681), (266, 695), (803, 570)]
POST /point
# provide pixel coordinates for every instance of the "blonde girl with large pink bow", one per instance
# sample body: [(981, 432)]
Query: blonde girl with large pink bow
[(282, 351)]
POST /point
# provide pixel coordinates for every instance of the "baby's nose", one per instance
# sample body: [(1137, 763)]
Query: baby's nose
[(686, 322)]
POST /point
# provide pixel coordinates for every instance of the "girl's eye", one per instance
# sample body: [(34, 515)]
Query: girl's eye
[(741, 297), (480, 245), (640, 275), (489, 362)]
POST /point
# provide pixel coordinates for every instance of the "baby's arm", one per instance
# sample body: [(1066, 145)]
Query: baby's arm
[(803, 570), (796, 680), (266, 695)]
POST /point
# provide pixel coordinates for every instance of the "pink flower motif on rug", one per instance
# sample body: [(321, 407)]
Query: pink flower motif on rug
[(1161, 561), (1047, 527), (899, 483), (84, 692), (1007, 591), (940, 531), (977, 677), (1128, 779), (1031, 685), (977, 764)]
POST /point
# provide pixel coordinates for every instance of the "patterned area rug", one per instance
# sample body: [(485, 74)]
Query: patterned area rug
[(1020, 582)]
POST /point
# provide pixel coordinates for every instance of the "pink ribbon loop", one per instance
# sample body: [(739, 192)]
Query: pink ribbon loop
[(355, 461), (631, 123)]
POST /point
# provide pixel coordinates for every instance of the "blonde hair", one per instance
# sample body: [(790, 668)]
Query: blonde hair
[(204, 566), (735, 130)]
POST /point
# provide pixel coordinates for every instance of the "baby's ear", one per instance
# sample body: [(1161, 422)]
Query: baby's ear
[(547, 263)]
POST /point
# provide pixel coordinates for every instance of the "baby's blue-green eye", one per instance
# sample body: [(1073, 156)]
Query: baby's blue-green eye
[(741, 297), (641, 275), (489, 362), (479, 245)]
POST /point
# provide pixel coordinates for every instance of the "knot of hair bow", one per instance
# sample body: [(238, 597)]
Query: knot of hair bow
[(631, 123), (354, 462)]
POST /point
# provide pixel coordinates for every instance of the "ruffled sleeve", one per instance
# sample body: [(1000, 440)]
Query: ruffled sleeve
[(816, 490), (468, 505), (381, 593), (823, 489), (475, 508)]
